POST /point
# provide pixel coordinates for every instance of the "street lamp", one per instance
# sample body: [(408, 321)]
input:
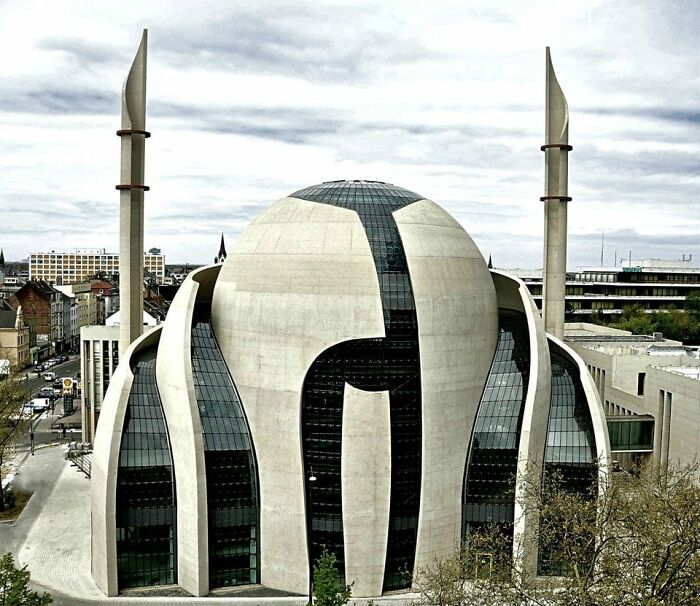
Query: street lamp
[(312, 480)]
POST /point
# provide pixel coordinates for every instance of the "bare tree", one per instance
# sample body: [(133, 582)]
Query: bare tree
[(637, 543), (13, 417)]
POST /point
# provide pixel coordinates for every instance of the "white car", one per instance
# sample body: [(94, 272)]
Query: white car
[(49, 376)]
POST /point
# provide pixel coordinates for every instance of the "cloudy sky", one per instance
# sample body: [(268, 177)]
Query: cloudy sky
[(249, 101)]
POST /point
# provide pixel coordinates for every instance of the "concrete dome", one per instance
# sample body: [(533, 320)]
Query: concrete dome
[(378, 267)]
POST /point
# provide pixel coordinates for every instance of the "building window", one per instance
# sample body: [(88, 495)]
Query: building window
[(489, 487), (640, 383), (145, 505), (231, 469)]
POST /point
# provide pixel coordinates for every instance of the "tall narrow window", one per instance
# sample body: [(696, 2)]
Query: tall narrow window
[(489, 486), (570, 452), (640, 383), (231, 470), (145, 506)]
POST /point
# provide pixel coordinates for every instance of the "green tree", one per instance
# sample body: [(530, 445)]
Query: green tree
[(692, 306), (14, 590), (13, 398), (327, 587), (635, 319)]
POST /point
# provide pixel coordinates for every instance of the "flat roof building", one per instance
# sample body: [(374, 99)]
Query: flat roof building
[(84, 263)]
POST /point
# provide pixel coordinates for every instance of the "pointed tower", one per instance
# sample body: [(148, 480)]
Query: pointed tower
[(19, 319), (556, 177), (133, 135), (221, 256), (2, 258)]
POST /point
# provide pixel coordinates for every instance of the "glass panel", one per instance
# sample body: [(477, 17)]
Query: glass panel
[(489, 488), (388, 364), (145, 485), (570, 450), (231, 471)]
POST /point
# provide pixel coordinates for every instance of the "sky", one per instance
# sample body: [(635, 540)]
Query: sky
[(250, 101)]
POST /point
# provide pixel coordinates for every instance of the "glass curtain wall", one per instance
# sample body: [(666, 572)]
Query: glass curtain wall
[(389, 364), (231, 470), (489, 487), (145, 504), (570, 454)]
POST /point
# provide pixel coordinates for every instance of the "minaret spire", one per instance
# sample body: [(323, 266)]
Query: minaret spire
[(556, 177), (133, 135)]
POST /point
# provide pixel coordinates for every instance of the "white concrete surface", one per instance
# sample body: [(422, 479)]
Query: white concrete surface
[(300, 278), (457, 331), (513, 294), (366, 487), (131, 219), (555, 211), (176, 387)]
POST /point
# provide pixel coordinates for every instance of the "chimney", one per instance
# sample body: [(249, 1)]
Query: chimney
[(556, 177)]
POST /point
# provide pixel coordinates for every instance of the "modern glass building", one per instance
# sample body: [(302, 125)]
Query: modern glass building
[(353, 377)]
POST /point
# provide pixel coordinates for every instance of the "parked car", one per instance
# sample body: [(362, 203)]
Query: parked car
[(63, 359), (40, 404), (39, 368), (46, 392), (57, 384), (49, 376)]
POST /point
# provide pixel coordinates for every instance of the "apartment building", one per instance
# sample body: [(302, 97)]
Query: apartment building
[(83, 263)]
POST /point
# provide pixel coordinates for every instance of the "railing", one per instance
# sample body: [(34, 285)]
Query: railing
[(80, 455)]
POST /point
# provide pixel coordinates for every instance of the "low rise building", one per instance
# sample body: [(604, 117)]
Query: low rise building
[(653, 284), (14, 337), (650, 389)]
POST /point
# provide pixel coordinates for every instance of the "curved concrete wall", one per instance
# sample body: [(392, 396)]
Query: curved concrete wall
[(457, 330), (300, 279), (366, 486), (513, 294), (105, 464), (174, 377), (600, 426)]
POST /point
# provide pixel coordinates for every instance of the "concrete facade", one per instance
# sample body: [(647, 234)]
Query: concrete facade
[(643, 376), (556, 178), (301, 279), (133, 149)]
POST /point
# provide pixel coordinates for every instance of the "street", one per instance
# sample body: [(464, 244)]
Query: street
[(46, 425)]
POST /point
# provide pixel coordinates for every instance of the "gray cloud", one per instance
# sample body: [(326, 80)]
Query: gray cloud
[(338, 46)]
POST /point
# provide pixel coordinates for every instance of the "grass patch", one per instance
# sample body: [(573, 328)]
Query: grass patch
[(21, 500)]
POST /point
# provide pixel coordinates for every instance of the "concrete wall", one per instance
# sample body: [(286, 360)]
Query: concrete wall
[(513, 294), (457, 331), (174, 376), (300, 278), (105, 464)]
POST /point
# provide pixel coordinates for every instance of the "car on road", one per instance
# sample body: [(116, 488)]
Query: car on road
[(39, 368), (63, 359), (58, 384), (46, 392), (49, 376)]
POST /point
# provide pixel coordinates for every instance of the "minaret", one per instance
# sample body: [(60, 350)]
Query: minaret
[(221, 257), (133, 135), (556, 176)]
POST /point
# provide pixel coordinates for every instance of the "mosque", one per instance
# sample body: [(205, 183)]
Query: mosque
[(352, 377)]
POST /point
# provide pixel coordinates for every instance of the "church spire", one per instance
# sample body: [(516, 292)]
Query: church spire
[(221, 257), (2, 258)]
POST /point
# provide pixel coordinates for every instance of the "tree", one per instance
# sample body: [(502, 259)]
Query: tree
[(635, 544), (13, 398), (692, 306), (329, 591), (14, 590)]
